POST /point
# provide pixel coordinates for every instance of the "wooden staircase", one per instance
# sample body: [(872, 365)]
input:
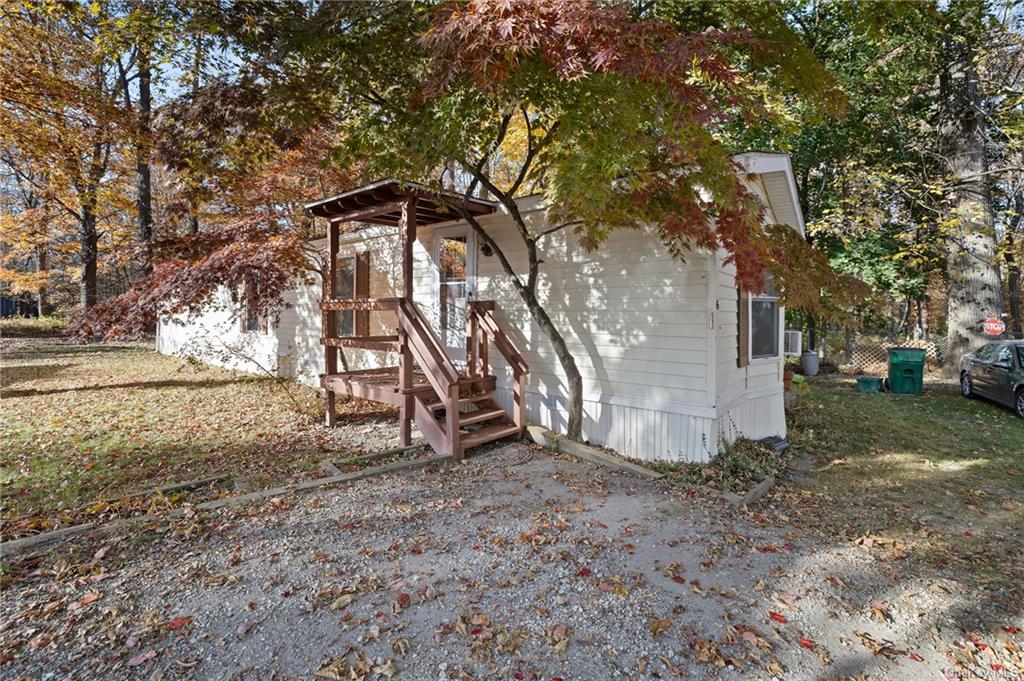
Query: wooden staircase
[(454, 412)]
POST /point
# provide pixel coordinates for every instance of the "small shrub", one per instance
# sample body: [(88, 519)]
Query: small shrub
[(738, 467)]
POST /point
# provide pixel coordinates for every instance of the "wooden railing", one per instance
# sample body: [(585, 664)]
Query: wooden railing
[(418, 341), (417, 344), (481, 330)]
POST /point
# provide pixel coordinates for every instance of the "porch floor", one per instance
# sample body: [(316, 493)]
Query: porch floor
[(382, 385)]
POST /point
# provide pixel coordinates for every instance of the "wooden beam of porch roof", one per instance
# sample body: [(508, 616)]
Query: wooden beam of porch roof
[(379, 203)]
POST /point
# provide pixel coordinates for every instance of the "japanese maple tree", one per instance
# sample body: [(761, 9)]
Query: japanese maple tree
[(614, 117)]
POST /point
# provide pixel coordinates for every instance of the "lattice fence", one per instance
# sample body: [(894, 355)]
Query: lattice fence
[(861, 353)]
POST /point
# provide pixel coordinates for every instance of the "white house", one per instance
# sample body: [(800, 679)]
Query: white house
[(675, 359)]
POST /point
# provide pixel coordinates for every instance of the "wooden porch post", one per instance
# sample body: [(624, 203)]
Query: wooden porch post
[(471, 345), (407, 236), (330, 326)]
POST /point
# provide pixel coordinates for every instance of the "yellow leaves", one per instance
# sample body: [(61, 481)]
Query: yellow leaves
[(660, 626), (557, 637), (342, 602), (708, 653)]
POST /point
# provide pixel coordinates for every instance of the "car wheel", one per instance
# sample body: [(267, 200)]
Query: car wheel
[(966, 385), (1020, 403)]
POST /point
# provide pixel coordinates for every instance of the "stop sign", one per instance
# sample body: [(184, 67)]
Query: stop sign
[(994, 326)]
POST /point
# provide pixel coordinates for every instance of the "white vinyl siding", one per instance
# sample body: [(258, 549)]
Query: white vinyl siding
[(654, 338)]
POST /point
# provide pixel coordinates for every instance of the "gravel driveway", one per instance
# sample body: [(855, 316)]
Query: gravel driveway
[(515, 564)]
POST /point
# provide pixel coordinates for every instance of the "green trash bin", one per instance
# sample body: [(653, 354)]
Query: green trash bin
[(906, 370)]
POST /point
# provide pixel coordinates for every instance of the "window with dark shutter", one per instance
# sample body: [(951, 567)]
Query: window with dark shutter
[(363, 291), (344, 289), (251, 320), (742, 328)]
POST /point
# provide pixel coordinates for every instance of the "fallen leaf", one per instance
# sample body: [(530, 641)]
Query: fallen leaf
[(660, 626), (337, 669), (778, 617), (85, 600), (178, 622), (387, 670), (142, 658)]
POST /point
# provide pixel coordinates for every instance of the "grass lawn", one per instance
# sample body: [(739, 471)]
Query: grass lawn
[(83, 423), (937, 478), (31, 327)]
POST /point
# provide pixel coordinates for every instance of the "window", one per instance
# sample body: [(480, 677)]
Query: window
[(345, 289), (764, 323), (986, 352), (252, 321), (1020, 356), (452, 265), (1004, 356)]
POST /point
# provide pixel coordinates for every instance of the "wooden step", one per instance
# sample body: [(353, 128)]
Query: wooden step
[(481, 415), (465, 401), (488, 434)]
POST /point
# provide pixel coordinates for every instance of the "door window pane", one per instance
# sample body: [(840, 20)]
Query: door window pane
[(452, 263)]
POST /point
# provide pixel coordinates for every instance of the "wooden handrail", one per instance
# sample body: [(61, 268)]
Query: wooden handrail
[(482, 310), (483, 327), (387, 343), (360, 304), (438, 368)]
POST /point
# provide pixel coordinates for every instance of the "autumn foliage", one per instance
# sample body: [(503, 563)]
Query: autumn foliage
[(616, 114), (633, 135), (243, 256)]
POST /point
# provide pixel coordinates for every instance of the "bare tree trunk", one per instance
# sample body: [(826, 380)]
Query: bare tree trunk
[(145, 184), (1013, 274), (972, 276), (527, 289), (41, 269), (528, 293), (88, 248), (1013, 286)]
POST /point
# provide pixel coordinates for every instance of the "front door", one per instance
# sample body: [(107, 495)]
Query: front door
[(454, 255)]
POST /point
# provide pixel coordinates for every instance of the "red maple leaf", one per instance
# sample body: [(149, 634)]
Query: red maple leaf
[(178, 622)]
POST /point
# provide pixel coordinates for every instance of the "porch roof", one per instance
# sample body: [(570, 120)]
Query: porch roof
[(379, 203)]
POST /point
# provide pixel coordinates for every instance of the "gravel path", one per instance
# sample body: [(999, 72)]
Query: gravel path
[(515, 564)]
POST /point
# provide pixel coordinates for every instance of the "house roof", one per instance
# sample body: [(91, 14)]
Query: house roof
[(432, 205), (774, 171)]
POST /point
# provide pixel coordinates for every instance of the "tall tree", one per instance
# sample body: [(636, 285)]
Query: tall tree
[(975, 291), (58, 109)]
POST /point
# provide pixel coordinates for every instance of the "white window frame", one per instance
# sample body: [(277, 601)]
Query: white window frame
[(780, 331), (457, 353)]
